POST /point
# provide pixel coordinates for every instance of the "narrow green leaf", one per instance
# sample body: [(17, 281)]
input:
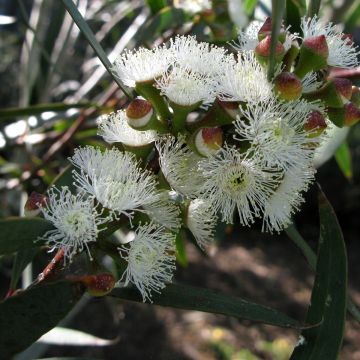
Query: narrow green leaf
[(65, 179), (343, 159), (31, 313), (90, 37), (295, 10), (18, 233), (181, 250), (168, 17), (156, 5), (249, 6), (352, 19), (310, 256), (206, 300), (41, 108), (328, 299), (22, 259), (278, 7), (313, 7)]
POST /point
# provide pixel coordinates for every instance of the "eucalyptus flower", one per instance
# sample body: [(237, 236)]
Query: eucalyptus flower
[(75, 219), (179, 166), (151, 259), (236, 181), (201, 220), (114, 178), (287, 198), (114, 128), (342, 52)]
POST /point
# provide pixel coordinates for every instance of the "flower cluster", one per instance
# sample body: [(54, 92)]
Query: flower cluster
[(210, 139)]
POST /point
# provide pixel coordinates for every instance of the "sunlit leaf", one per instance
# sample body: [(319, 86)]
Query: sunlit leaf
[(88, 34), (343, 159), (31, 313), (328, 300), (206, 300)]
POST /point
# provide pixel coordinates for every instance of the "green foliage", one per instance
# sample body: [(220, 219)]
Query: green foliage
[(328, 300), (206, 300), (21, 233), (343, 159), (295, 9), (29, 314), (86, 31)]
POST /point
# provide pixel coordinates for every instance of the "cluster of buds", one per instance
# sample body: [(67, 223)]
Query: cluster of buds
[(209, 139)]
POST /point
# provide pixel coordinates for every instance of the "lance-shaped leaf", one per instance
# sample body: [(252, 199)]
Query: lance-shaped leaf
[(328, 298), (206, 300), (343, 159), (18, 233), (28, 315)]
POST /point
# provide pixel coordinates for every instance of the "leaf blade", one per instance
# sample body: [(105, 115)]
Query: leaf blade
[(329, 295), (90, 37), (344, 161), (18, 233), (28, 315), (205, 300)]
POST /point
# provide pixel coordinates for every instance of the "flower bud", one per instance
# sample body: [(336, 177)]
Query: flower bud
[(208, 140), (33, 204), (335, 93), (139, 113), (231, 108), (348, 115), (265, 30), (355, 96), (99, 284), (313, 56), (208, 15), (315, 124), (263, 48), (288, 86)]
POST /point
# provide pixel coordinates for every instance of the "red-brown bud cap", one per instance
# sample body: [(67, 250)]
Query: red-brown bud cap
[(139, 112), (343, 87), (208, 140), (315, 124), (33, 204), (230, 107), (99, 284), (264, 46), (318, 45), (265, 28), (352, 114), (288, 86)]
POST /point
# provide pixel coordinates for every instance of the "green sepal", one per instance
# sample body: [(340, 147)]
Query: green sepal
[(328, 94), (337, 116), (309, 61), (147, 90)]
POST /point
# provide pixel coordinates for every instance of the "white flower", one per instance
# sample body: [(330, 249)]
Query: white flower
[(141, 65), (179, 165), (276, 132), (201, 220), (193, 6), (186, 88), (287, 198), (164, 212), (342, 52), (199, 57), (151, 259), (75, 219), (114, 178), (113, 128), (234, 181), (244, 81), (248, 39), (310, 82)]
